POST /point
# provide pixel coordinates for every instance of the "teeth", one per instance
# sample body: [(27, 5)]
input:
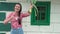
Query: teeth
[(17, 9)]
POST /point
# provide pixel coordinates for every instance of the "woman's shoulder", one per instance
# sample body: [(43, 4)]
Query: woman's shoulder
[(10, 13)]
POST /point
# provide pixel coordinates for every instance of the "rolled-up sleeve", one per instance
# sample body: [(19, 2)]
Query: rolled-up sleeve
[(8, 16)]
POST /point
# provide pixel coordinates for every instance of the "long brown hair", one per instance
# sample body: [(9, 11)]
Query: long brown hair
[(19, 20)]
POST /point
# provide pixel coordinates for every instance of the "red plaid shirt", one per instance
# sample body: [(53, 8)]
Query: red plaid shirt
[(14, 21)]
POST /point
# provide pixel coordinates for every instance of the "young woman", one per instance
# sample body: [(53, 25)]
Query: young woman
[(16, 18)]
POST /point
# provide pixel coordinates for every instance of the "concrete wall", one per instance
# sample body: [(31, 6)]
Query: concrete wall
[(54, 27)]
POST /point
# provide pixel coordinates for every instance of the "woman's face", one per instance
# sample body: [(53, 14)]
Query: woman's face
[(17, 8)]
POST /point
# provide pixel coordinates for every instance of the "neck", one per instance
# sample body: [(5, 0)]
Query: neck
[(16, 13)]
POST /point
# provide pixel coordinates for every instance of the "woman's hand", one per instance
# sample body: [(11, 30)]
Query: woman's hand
[(30, 8)]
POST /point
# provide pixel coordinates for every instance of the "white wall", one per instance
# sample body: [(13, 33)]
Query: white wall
[(54, 27)]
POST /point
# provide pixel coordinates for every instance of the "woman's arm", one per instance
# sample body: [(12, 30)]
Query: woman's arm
[(8, 18)]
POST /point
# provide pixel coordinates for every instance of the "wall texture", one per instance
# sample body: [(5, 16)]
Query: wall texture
[(54, 27)]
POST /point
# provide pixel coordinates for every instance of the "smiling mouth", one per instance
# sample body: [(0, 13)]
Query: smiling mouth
[(17, 9)]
